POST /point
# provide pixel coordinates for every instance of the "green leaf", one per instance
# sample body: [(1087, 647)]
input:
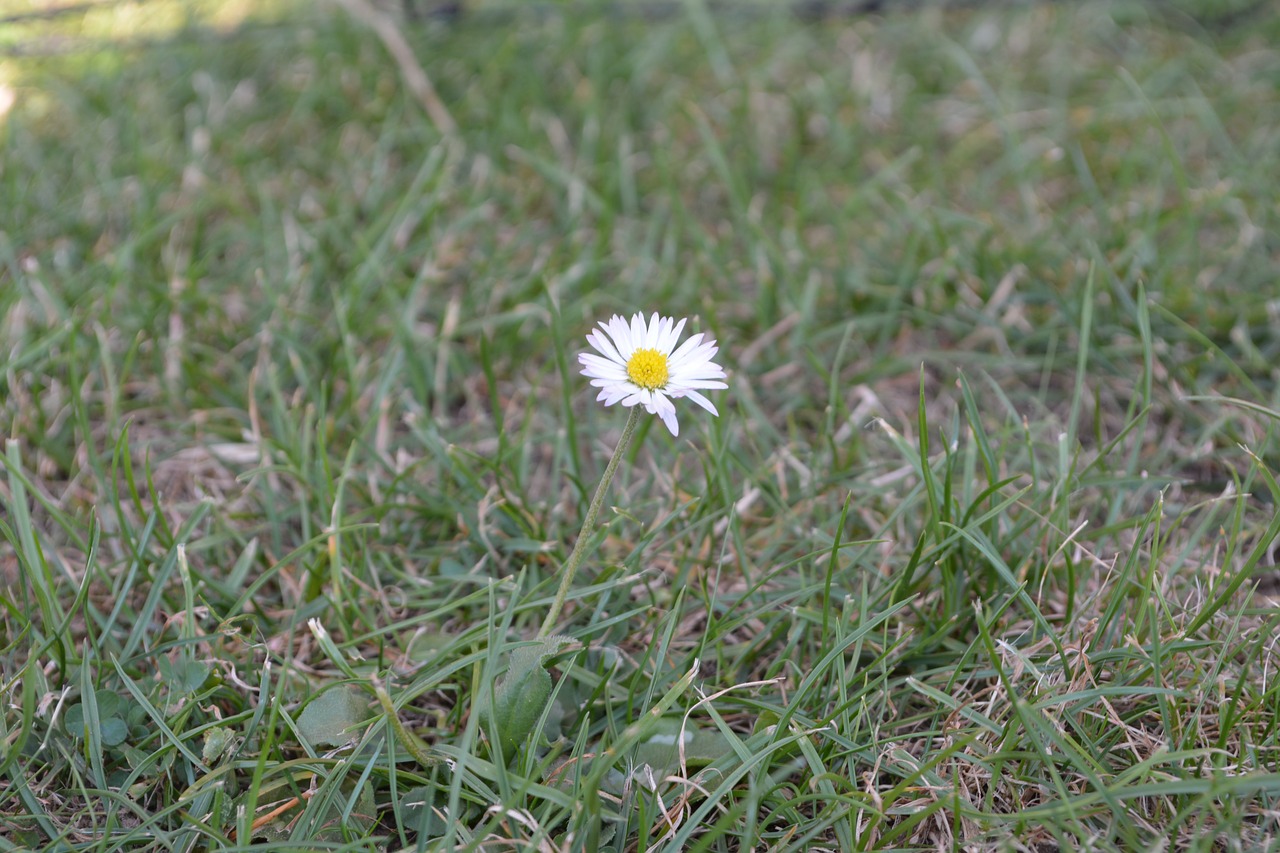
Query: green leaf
[(114, 731), (111, 715), (423, 646), (183, 676), (193, 675), (216, 741), (658, 755), (73, 720), (661, 751), (416, 816), (109, 703), (520, 697), (331, 718), (765, 719), (335, 819)]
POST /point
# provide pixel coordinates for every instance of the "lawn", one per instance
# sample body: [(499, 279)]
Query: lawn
[(978, 552)]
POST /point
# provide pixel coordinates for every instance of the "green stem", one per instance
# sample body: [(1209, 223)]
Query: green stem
[(406, 738), (588, 525)]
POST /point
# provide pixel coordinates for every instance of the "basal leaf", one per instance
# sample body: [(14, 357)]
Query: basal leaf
[(114, 731), (520, 696), (332, 717)]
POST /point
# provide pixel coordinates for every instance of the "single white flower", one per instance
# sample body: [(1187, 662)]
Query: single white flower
[(639, 363)]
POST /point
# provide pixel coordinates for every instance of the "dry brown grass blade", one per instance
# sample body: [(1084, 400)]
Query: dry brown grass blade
[(410, 69)]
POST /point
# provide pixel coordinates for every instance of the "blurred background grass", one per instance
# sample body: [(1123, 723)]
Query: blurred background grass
[(981, 276)]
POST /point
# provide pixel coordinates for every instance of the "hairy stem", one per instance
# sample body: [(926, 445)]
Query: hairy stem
[(588, 525)]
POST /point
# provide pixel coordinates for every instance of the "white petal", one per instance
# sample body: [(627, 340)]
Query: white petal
[(594, 365), (666, 410), (702, 353), (697, 382), (687, 347), (609, 396), (658, 331), (621, 334), (600, 341), (689, 384), (696, 370), (668, 342), (699, 372), (692, 365), (638, 332), (585, 357), (606, 381), (700, 400)]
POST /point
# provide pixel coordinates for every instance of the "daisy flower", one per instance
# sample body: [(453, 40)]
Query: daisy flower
[(639, 363)]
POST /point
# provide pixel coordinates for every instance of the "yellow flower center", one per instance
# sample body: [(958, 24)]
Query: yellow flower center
[(648, 368)]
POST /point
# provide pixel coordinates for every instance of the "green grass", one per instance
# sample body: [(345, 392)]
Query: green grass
[(980, 551)]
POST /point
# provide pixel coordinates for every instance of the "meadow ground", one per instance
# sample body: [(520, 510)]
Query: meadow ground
[(978, 553)]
